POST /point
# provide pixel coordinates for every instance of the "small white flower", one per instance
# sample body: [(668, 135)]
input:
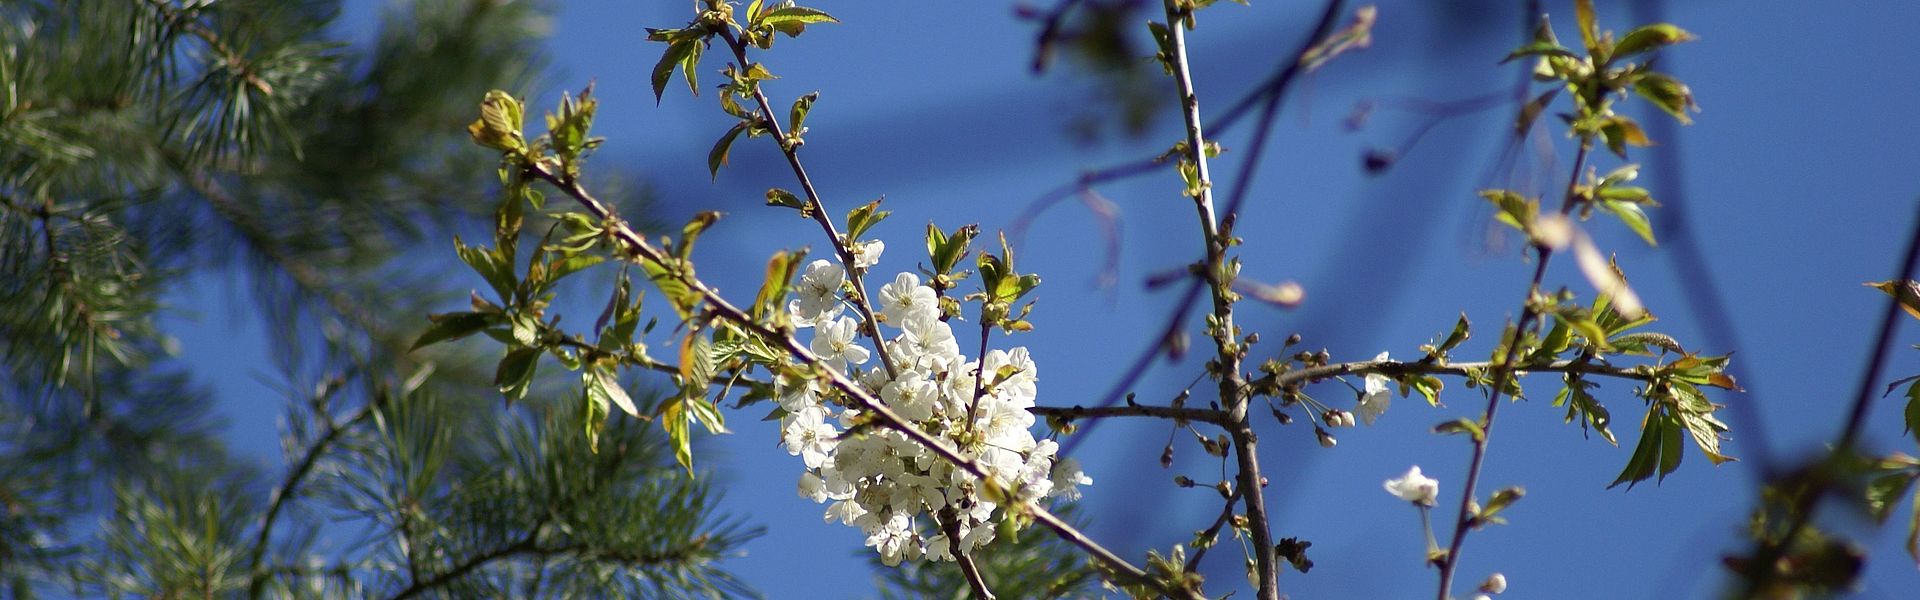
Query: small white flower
[(1377, 397), (812, 487), (1339, 418), (817, 296), (866, 255), (833, 342), (1067, 479), (1482, 597), (1414, 487), (1495, 583), (808, 436), (905, 298)]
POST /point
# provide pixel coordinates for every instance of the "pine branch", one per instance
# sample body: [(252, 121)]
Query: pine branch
[(291, 485)]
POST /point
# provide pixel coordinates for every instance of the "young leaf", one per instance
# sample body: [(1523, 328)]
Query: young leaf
[(1913, 411), (515, 372), (1885, 492), (452, 326), (1650, 38), (675, 55), (1589, 25), (793, 20), (797, 118), (1635, 219), (1667, 93), (602, 382)]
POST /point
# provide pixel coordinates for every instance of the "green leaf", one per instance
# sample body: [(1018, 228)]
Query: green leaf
[(718, 155), (500, 123), (1667, 93), (1885, 492), (689, 66), (515, 372), (1634, 217), (673, 418), (1462, 425), (797, 117), (690, 232), (864, 217), (1516, 210), (1649, 38), (1913, 411), (1539, 48), (604, 384), (778, 279), (1620, 132), (675, 55), (696, 360), (682, 296), (780, 197), (793, 20), (1589, 25), (1646, 453), (452, 326), (594, 418)]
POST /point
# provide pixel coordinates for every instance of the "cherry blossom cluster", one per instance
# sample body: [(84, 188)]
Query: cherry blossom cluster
[(910, 503)]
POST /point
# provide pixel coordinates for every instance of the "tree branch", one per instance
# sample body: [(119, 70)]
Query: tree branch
[(637, 247), (290, 485), (1502, 376), (862, 302), (1217, 235)]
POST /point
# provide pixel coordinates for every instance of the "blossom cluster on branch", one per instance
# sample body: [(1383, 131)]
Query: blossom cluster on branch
[(910, 504)]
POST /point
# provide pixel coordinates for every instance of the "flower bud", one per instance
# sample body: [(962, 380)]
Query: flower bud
[(1326, 440), (1495, 583)]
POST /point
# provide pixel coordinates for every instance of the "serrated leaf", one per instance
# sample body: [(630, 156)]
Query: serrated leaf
[(1515, 210), (451, 326), (780, 197), (674, 56)]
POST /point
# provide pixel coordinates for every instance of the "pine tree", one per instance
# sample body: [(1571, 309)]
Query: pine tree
[(148, 142)]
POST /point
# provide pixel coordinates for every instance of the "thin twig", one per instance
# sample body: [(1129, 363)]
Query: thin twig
[(862, 302), (1216, 234), (1212, 534), (1203, 415), (291, 485), (1502, 376), (1272, 91)]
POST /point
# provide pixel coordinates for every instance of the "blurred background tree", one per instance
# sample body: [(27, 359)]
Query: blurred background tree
[(149, 144)]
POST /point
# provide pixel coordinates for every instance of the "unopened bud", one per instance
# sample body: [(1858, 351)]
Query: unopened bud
[(1495, 583), (1182, 481), (1326, 439)]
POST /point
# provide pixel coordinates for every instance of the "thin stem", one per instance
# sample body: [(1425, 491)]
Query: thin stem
[(862, 301), (639, 248), (1212, 534), (291, 485), (1502, 376), (1270, 92), (1219, 277), (1204, 415), (979, 373)]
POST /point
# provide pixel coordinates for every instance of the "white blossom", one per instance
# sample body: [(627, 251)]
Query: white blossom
[(885, 484), (808, 436), (906, 298), (867, 254), (1376, 398), (817, 296), (833, 343), (1414, 487)]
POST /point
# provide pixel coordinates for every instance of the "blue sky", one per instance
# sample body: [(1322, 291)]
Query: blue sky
[(1797, 177)]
